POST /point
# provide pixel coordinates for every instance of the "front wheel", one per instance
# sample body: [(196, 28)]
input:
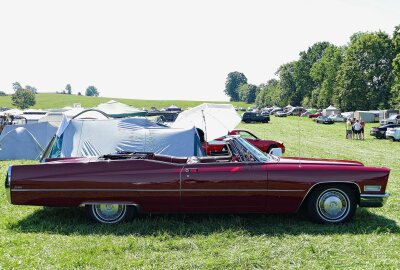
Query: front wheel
[(332, 204), (110, 213)]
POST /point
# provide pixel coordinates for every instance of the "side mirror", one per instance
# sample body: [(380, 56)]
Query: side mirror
[(276, 152)]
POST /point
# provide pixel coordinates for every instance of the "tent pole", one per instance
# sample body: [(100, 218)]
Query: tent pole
[(205, 130)]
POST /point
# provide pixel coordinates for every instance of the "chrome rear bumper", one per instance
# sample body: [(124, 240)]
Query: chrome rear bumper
[(373, 200)]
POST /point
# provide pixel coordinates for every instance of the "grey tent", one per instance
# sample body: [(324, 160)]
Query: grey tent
[(80, 138), (41, 134), (19, 143)]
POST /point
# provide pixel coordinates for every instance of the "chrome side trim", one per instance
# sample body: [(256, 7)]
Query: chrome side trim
[(153, 190), (8, 184), (328, 182), (373, 200)]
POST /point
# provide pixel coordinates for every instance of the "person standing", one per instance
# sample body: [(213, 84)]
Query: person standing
[(357, 129), (349, 129), (362, 124)]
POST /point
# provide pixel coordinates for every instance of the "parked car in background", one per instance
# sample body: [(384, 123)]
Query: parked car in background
[(249, 117), (218, 146), (337, 118), (115, 187), (323, 120), (281, 114), (314, 115), (393, 133), (243, 109), (276, 109), (296, 111), (380, 132), (393, 119)]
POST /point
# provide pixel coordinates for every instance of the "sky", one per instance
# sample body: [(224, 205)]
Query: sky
[(174, 49)]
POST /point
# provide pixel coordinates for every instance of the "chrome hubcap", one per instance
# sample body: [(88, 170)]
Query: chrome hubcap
[(109, 212), (333, 205)]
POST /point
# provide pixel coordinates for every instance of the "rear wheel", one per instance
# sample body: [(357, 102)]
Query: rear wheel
[(110, 213), (332, 204)]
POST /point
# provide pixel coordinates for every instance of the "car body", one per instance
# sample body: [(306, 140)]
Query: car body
[(393, 119), (249, 117), (323, 120), (314, 115), (243, 109), (115, 187), (380, 132), (337, 118), (274, 110), (219, 146), (280, 114), (296, 111), (393, 133)]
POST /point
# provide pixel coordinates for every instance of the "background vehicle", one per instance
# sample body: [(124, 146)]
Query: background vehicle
[(281, 114), (393, 133), (380, 132), (249, 117), (393, 119), (337, 118), (219, 146), (315, 115), (323, 120), (296, 111)]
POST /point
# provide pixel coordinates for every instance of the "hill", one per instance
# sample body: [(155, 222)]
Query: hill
[(52, 100)]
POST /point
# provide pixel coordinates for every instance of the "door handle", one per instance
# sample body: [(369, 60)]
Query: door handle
[(191, 170)]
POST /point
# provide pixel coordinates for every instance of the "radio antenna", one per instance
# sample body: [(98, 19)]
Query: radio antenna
[(205, 130), (298, 128)]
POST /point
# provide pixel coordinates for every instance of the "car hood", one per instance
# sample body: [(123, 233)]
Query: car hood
[(319, 161)]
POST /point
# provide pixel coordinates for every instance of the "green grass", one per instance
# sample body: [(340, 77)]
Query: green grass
[(51, 101), (46, 238)]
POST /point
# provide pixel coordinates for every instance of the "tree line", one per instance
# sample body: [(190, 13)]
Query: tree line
[(362, 75), (24, 97)]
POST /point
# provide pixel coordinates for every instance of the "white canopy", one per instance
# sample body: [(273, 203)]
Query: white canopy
[(117, 109), (12, 112), (215, 119)]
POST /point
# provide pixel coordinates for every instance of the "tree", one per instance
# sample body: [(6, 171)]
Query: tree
[(301, 72), (287, 83), (324, 73), (248, 92), (2, 94), (68, 89), (91, 91), (270, 94), (16, 86), (79, 94), (31, 88), (232, 84), (23, 98), (365, 76), (395, 91)]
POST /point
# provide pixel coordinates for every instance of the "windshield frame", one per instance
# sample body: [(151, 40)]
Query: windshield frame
[(257, 154)]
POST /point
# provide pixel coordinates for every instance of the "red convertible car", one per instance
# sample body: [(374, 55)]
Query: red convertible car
[(218, 145), (115, 187)]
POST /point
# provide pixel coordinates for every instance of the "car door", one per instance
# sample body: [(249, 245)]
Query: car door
[(222, 187)]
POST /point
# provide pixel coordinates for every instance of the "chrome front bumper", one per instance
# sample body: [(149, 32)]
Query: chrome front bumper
[(373, 200)]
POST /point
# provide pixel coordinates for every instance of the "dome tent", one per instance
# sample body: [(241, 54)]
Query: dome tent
[(19, 143)]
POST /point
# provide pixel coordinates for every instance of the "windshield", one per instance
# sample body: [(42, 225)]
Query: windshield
[(254, 151)]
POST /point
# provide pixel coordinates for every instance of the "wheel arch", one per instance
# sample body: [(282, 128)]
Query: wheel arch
[(353, 185)]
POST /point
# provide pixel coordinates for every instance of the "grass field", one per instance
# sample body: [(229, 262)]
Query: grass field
[(45, 238), (52, 101)]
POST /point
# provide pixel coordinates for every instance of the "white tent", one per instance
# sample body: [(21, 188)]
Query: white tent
[(53, 118), (331, 110), (19, 143), (12, 112), (42, 133), (117, 110), (214, 119), (79, 138)]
